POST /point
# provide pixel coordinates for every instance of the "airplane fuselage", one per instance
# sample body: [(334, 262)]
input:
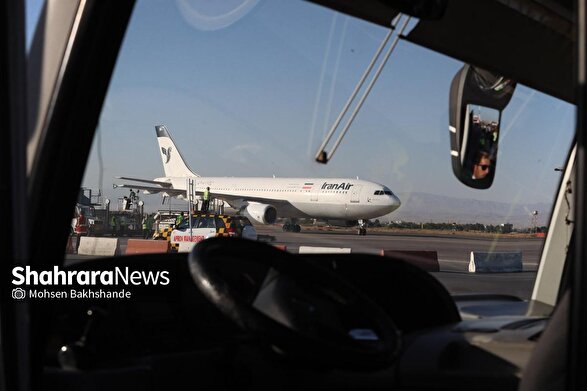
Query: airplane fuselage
[(265, 199), (322, 198)]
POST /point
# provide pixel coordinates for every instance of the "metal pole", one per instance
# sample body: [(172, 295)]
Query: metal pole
[(369, 87), (358, 86), (190, 190)]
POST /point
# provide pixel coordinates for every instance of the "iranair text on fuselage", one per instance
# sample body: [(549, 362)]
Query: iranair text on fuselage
[(336, 186)]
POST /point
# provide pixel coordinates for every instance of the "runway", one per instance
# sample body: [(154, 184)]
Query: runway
[(453, 254), (453, 250)]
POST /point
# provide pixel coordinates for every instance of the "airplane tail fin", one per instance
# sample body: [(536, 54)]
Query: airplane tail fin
[(173, 163)]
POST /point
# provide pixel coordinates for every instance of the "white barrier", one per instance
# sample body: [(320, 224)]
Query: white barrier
[(98, 246), (495, 262), (323, 250)]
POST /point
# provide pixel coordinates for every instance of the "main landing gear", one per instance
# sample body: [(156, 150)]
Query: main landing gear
[(291, 226), (362, 231)]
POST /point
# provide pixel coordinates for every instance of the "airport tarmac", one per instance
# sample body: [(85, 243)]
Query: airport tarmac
[(453, 254), (453, 250)]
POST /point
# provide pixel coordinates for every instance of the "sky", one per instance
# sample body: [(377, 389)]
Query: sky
[(249, 88)]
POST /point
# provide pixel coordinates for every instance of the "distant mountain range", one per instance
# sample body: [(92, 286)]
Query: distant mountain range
[(424, 207)]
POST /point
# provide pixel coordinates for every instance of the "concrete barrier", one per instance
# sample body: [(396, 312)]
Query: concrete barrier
[(495, 262), (323, 250), (98, 246), (425, 260), (146, 246), (70, 246)]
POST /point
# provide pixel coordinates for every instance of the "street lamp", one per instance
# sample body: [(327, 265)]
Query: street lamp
[(534, 220)]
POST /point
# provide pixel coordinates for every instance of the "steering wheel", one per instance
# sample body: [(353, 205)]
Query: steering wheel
[(302, 310)]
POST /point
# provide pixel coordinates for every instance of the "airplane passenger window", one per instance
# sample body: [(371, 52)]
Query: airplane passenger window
[(188, 105)]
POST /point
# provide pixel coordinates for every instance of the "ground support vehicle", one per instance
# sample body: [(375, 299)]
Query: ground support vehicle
[(205, 226)]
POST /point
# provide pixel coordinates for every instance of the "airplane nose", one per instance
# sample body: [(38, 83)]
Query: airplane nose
[(395, 202), (392, 203)]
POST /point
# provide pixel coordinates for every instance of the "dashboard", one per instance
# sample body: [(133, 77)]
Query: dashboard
[(168, 335)]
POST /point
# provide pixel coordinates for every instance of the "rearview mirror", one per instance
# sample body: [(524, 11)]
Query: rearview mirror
[(477, 98)]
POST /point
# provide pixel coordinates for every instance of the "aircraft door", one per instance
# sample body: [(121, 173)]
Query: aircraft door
[(355, 193), (314, 194)]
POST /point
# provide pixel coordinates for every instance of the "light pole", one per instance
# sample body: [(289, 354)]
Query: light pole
[(534, 220)]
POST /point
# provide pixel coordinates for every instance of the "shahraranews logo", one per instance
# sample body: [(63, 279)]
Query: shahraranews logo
[(93, 279)]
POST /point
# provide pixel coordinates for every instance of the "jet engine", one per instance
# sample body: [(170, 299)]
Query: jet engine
[(260, 213)]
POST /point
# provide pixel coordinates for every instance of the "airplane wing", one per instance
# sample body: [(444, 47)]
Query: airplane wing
[(166, 188), (159, 183), (152, 189)]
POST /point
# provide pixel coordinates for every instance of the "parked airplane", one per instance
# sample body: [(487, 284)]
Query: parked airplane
[(265, 199)]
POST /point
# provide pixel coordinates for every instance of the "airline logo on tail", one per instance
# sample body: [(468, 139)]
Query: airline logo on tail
[(166, 153), (175, 167)]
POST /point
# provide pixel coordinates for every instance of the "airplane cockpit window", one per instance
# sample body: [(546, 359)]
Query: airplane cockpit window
[(219, 109)]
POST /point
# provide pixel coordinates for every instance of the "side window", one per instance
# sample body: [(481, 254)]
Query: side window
[(205, 222), (210, 222), (219, 223), (183, 225)]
